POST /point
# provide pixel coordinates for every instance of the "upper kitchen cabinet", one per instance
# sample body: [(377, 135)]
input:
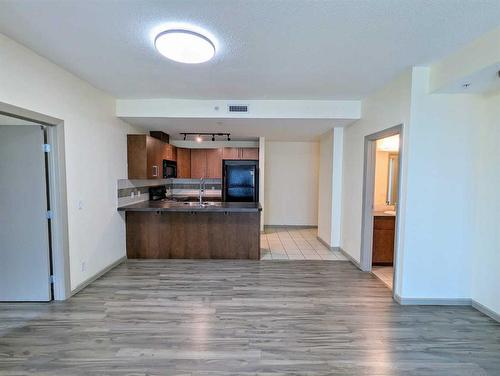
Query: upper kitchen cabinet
[(231, 153), (250, 153), (240, 153), (144, 156), (183, 163), (169, 152), (214, 163), (206, 163), (198, 163)]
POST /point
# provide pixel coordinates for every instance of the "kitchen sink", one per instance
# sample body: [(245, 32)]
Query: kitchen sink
[(197, 204)]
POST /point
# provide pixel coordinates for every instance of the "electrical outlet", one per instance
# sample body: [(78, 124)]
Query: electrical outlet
[(80, 204), (83, 266)]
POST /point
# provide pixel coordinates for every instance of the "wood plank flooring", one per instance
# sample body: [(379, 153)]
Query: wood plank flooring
[(181, 317)]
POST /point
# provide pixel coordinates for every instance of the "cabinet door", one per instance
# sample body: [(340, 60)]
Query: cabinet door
[(214, 163), (198, 163), (155, 153), (250, 153), (170, 152), (183, 163), (231, 153), (383, 240), (137, 161)]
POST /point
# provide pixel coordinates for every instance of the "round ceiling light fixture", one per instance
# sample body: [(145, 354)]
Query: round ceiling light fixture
[(184, 46)]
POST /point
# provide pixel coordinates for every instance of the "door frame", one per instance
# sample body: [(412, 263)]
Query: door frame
[(57, 195), (370, 150)]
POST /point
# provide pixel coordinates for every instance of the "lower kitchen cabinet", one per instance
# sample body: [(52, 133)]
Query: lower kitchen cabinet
[(383, 240), (193, 235)]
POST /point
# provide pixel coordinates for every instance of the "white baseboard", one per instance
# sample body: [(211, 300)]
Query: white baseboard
[(433, 301), (485, 310), (349, 257), (88, 281)]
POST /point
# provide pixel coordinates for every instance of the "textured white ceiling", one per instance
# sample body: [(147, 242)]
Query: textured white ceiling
[(266, 49)]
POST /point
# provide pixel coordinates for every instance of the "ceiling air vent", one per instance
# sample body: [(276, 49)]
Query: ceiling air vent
[(238, 108)]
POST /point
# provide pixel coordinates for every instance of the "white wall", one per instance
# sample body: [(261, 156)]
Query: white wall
[(386, 108), (438, 236), (291, 183), (95, 145), (486, 244)]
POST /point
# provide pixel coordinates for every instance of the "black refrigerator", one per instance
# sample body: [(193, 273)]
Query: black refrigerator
[(240, 180)]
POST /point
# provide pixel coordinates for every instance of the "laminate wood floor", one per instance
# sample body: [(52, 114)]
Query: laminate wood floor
[(181, 317)]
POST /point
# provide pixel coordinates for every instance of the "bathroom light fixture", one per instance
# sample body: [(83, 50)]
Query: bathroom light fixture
[(390, 144), (213, 137), (199, 139), (184, 46)]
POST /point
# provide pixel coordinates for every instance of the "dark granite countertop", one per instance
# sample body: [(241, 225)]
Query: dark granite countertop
[(209, 207)]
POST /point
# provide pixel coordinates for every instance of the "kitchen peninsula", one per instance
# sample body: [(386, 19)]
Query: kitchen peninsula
[(190, 230), (179, 218)]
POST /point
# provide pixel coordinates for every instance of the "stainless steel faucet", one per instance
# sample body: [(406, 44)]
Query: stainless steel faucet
[(202, 190)]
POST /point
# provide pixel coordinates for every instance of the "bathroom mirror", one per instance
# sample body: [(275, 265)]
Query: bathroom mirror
[(392, 179)]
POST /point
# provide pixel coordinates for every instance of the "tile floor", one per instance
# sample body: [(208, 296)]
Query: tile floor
[(295, 243), (384, 273)]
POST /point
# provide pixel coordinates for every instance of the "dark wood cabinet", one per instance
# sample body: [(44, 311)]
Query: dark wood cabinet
[(240, 153), (193, 235), (383, 240), (250, 153), (230, 153), (214, 163), (169, 152), (183, 163), (198, 163), (144, 157), (206, 163)]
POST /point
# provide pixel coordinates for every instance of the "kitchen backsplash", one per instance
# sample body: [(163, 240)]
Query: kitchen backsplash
[(133, 191)]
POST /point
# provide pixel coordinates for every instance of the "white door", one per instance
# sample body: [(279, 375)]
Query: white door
[(24, 240)]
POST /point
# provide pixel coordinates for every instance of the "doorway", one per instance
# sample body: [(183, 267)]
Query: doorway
[(34, 262), (381, 192)]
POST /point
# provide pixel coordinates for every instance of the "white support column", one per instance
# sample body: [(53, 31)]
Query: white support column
[(338, 152), (262, 156)]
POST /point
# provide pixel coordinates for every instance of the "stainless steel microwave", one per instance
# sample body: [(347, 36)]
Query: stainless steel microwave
[(169, 169)]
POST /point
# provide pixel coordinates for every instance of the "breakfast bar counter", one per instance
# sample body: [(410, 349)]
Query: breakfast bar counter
[(190, 230)]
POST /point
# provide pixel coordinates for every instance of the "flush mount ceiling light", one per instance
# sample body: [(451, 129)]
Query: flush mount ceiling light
[(184, 46)]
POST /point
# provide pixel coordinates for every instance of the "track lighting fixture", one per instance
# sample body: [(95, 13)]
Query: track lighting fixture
[(199, 136)]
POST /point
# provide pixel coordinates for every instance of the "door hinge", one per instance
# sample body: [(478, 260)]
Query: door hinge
[(50, 214), (51, 279), (46, 148)]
